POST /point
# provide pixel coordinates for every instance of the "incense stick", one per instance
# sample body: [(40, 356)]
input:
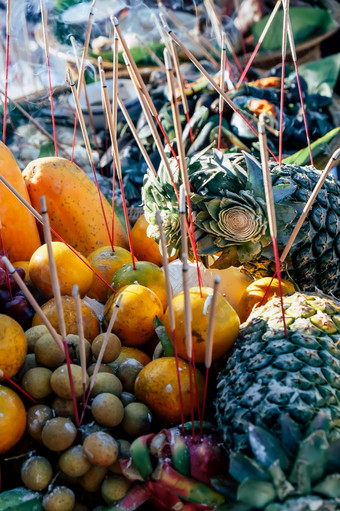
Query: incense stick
[(115, 154), (8, 34), (284, 52), (12, 382), (152, 54), (57, 298), (271, 210), (47, 55), (114, 134), (71, 83), (80, 330), (171, 310), (222, 85)]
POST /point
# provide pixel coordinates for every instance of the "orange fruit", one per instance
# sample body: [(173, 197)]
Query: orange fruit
[(255, 292), (71, 270), (226, 327), (12, 418), (106, 263), (145, 248), (146, 274), (24, 265), (128, 352), (90, 320), (157, 387), (138, 308), (13, 346)]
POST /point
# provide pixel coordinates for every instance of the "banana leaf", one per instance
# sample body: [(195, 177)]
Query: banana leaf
[(321, 75), (307, 23), (321, 149), (139, 54)]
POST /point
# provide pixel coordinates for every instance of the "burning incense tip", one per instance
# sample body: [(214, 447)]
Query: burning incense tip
[(167, 60), (69, 78), (336, 154), (182, 199), (115, 21), (43, 205), (9, 265), (164, 23), (75, 290), (159, 218)]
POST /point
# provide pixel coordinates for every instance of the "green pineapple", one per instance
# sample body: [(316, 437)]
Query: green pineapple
[(230, 217), (269, 375), (296, 474)]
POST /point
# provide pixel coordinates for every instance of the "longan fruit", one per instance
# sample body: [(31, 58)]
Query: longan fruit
[(37, 416), (63, 407), (106, 382), (103, 368), (127, 372), (37, 382), (107, 409), (47, 352), (60, 382), (36, 473), (58, 434), (74, 462), (137, 419), (127, 398), (101, 449), (60, 498), (112, 350), (33, 334), (92, 480), (73, 344), (114, 488)]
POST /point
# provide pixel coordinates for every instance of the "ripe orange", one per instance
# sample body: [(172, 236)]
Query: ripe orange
[(138, 308), (157, 386), (106, 263), (146, 274), (139, 355), (71, 270), (12, 418), (226, 327), (257, 289), (13, 346), (90, 320), (145, 248)]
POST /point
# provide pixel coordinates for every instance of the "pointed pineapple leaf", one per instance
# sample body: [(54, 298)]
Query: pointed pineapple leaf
[(266, 448), (282, 486), (255, 176), (291, 435), (256, 493), (321, 421), (330, 486), (333, 458), (282, 191), (313, 453), (285, 214), (241, 467)]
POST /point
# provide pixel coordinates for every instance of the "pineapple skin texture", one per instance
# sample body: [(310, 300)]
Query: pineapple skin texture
[(268, 375)]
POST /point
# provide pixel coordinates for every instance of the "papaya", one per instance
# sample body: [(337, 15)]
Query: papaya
[(19, 229), (73, 204)]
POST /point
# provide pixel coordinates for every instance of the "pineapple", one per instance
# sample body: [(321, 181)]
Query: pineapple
[(230, 217), (296, 474), (269, 375)]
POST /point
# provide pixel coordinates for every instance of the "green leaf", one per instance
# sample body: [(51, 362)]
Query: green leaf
[(330, 486), (255, 176), (321, 75), (164, 338), (46, 149), (20, 499), (256, 493), (313, 452), (319, 148), (266, 448), (307, 23)]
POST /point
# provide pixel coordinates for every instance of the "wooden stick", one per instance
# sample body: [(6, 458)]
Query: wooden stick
[(271, 210), (30, 298), (309, 203), (182, 218), (8, 35), (115, 82), (284, 53), (152, 54), (47, 55), (189, 36), (80, 329), (132, 63), (163, 35), (215, 22), (71, 83), (222, 85)]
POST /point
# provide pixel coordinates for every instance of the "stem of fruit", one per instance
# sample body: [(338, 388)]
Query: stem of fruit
[(101, 353), (58, 302), (168, 289), (3, 375), (88, 147), (8, 33), (38, 217), (80, 329)]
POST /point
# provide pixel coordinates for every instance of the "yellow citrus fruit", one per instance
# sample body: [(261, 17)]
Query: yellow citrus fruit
[(146, 274), (13, 346), (138, 308), (157, 386), (24, 265), (106, 263), (145, 248), (90, 320), (70, 268), (12, 418), (128, 352), (255, 292), (226, 326)]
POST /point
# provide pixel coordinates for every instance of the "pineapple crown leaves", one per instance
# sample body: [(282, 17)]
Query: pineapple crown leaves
[(228, 204), (294, 474)]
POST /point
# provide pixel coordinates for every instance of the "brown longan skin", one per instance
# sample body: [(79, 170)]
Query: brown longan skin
[(112, 350), (127, 372), (47, 352), (58, 434), (37, 382), (101, 449), (114, 488), (103, 368), (33, 334), (36, 473), (60, 382), (74, 349), (60, 498), (63, 407), (107, 409), (29, 363), (92, 480), (106, 382), (137, 419), (74, 462), (37, 416)]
